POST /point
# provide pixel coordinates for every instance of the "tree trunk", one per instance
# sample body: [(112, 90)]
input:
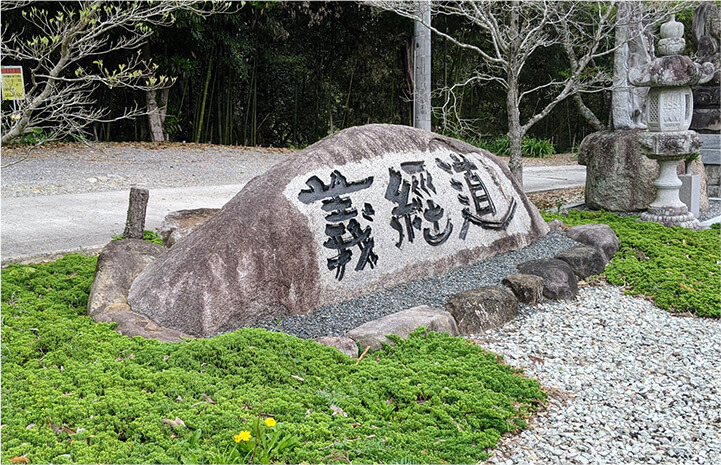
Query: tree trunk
[(155, 123), (138, 204), (422, 69), (515, 131), (633, 51), (588, 115), (156, 113), (164, 94)]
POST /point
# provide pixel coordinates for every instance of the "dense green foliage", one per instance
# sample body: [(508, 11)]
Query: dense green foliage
[(530, 146), (282, 74), (74, 391), (677, 267), (290, 73)]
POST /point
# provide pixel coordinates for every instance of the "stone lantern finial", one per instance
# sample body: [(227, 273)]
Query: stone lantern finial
[(672, 41)]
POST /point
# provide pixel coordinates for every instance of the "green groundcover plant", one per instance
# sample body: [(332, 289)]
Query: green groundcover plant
[(74, 391), (150, 236), (678, 268)]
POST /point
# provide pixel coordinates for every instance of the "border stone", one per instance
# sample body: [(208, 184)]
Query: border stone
[(557, 226), (584, 260), (527, 288), (600, 236), (483, 308), (402, 324), (132, 324), (345, 344), (119, 263), (559, 280)]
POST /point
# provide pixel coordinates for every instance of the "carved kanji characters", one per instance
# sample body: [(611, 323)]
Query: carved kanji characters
[(343, 229)]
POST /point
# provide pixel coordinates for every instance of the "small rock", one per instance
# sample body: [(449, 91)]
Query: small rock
[(527, 288), (119, 264), (402, 324), (132, 324), (174, 423), (600, 236), (557, 226), (178, 224), (584, 260), (484, 308), (344, 344), (559, 280)]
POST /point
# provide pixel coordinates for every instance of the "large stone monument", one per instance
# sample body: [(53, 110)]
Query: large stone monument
[(669, 111), (365, 209), (707, 97)]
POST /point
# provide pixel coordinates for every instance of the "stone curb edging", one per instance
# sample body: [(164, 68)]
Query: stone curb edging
[(472, 311), (481, 304)]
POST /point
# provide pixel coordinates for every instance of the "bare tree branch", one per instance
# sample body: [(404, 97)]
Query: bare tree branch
[(59, 99), (513, 31)]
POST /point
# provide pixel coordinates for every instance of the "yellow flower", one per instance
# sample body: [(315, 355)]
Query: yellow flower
[(243, 436), (270, 422)]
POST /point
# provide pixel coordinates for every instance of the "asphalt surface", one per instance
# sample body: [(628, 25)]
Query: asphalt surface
[(38, 227)]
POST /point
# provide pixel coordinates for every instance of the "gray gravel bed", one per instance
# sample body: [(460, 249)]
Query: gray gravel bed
[(338, 319), (714, 210), (630, 383), (112, 167)]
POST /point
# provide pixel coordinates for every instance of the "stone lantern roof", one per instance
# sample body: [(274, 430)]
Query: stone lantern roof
[(671, 69)]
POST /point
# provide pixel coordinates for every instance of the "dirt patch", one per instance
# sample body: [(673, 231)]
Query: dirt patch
[(554, 199), (55, 149), (559, 159)]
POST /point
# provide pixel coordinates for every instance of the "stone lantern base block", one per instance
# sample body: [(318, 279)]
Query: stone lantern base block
[(671, 216), (669, 144)]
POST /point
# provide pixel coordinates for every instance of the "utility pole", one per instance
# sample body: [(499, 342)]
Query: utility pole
[(422, 68)]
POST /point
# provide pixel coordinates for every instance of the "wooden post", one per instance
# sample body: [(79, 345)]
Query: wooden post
[(135, 224)]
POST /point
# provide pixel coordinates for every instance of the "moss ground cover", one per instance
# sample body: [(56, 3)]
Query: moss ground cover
[(677, 267), (150, 236), (74, 391)]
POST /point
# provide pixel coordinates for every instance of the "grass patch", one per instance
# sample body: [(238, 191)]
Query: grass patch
[(677, 267), (150, 236), (74, 391)]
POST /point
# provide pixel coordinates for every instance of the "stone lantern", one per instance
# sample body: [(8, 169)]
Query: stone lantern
[(669, 112)]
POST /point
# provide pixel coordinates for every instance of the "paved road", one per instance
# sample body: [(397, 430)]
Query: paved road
[(546, 178), (42, 228)]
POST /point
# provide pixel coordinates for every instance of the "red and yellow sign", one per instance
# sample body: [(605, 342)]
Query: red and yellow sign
[(13, 85)]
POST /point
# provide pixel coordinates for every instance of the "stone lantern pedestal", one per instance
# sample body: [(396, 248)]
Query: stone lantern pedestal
[(668, 148)]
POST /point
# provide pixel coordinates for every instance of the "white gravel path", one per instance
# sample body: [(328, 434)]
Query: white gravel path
[(629, 383)]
